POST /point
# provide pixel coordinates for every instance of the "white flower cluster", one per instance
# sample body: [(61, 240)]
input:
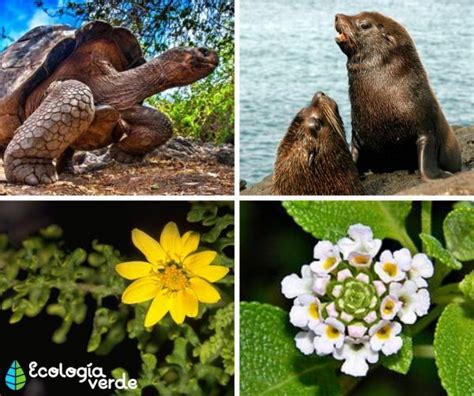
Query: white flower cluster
[(348, 303)]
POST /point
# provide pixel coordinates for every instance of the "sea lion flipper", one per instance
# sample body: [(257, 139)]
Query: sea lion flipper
[(427, 159)]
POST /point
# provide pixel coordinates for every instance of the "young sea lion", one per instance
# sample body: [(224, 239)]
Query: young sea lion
[(397, 123), (313, 158)]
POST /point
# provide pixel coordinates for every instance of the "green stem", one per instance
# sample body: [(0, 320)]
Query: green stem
[(426, 219), (448, 299), (426, 320), (452, 288), (406, 241), (423, 351)]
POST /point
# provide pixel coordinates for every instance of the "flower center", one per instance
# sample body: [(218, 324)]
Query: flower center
[(173, 278), (388, 307), (384, 332), (357, 298), (390, 269), (329, 262), (332, 332), (361, 259), (313, 311)]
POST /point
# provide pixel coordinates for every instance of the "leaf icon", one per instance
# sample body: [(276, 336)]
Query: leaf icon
[(15, 378)]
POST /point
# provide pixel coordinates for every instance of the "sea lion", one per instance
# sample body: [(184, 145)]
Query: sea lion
[(397, 122), (313, 158)]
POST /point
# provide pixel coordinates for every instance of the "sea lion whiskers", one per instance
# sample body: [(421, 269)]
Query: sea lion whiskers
[(334, 121)]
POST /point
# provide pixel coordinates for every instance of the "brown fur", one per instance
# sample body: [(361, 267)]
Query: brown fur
[(313, 157), (397, 122)]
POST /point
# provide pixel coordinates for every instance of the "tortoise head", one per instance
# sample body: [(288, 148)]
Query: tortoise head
[(187, 65)]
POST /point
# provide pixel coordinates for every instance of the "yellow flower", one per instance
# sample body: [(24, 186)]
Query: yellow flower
[(174, 276)]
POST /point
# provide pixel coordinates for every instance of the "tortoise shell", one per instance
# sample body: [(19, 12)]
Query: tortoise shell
[(36, 55)]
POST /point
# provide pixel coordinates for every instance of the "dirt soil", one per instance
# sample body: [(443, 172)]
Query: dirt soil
[(182, 167)]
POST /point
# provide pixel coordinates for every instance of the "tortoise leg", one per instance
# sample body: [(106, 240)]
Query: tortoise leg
[(148, 129), (100, 131), (61, 118)]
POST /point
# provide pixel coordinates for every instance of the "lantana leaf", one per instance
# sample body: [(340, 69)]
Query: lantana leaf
[(330, 220), (454, 349), (467, 286), (270, 362), (459, 233), (401, 361), (434, 249)]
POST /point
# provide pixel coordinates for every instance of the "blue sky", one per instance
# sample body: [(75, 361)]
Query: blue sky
[(19, 16)]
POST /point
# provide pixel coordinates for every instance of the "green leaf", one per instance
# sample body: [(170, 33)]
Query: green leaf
[(433, 248), (467, 286), (459, 233), (331, 219), (270, 363), (454, 349), (401, 361)]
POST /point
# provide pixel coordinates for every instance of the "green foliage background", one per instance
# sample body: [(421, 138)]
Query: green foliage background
[(41, 276), (270, 238)]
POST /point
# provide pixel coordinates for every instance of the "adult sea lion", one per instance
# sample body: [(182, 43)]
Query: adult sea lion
[(397, 122), (313, 158)]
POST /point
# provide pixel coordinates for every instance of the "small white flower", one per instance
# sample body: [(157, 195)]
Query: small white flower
[(330, 335), (414, 302), (357, 330), (421, 267), (304, 342), (293, 286), (391, 268), (389, 307), (320, 284), (360, 240), (306, 312), (356, 354), (384, 337), (327, 257)]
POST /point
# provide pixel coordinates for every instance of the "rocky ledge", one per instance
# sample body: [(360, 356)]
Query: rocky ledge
[(406, 183)]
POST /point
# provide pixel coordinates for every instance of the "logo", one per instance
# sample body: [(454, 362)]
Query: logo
[(15, 378)]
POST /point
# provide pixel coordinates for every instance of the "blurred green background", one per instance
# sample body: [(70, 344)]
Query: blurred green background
[(272, 246)]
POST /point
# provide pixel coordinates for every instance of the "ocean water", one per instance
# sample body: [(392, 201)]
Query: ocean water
[(288, 52)]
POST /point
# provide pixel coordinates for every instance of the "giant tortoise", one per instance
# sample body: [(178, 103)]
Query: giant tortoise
[(63, 89)]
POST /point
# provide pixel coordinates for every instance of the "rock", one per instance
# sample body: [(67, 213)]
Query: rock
[(409, 183)]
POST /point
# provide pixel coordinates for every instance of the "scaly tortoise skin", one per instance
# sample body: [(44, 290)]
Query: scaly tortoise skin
[(63, 90)]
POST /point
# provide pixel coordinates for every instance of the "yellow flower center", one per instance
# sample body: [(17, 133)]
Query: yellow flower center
[(332, 332), (173, 278), (388, 307), (313, 311), (390, 269), (329, 262), (384, 332), (361, 259)]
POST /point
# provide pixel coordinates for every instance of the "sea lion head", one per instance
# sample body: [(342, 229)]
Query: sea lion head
[(370, 35), (319, 126)]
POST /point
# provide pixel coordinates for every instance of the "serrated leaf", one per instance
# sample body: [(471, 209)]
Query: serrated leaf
[(454, 349), (270, 363), (467, 286), (435, 250), (331, 219), (401, 361), (459, 233)]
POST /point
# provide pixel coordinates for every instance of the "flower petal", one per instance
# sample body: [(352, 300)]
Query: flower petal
[(158, 309), (133, 269), (141, 290), (204, 291), (201, 259), (177, 308), (190, 302), (212, 273), (190, 242), (170, 239), (148, 246)]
